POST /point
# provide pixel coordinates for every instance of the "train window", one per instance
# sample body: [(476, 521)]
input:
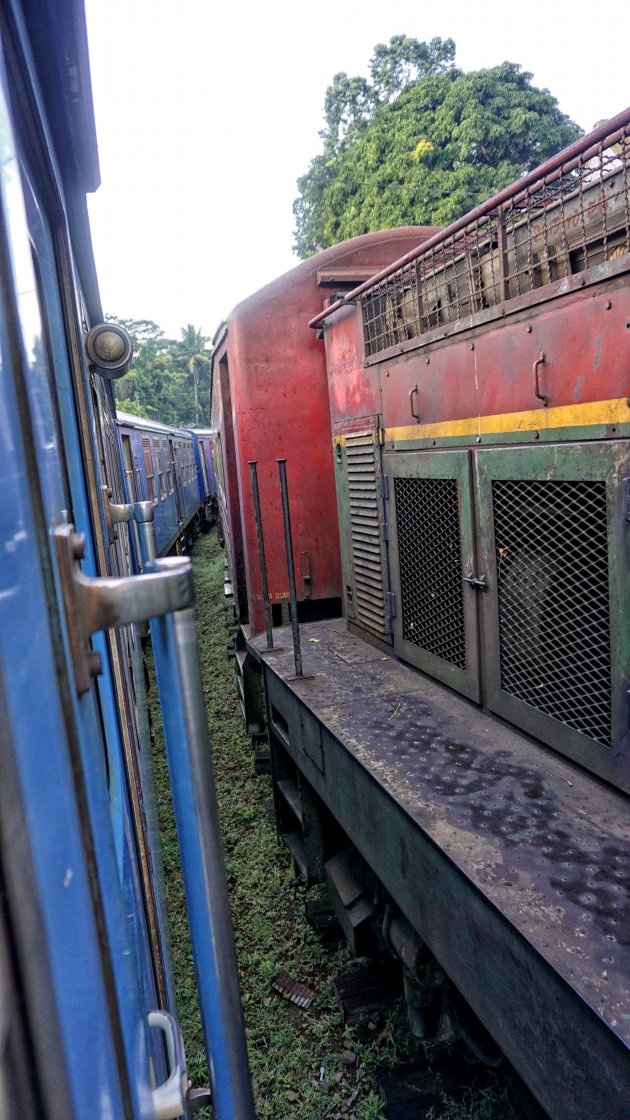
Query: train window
[(159, 462), (32, 336), (129, 471), (168, 455), (148, 469)]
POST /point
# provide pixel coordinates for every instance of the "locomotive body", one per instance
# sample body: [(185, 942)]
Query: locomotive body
[(270, 400), (454, 763)]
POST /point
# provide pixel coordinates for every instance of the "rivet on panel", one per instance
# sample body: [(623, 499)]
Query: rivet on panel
[(608, 305), (427, 360), (528, 328), (472, 346)]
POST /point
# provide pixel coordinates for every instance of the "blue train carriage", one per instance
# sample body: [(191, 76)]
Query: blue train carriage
[(86, 1023), (204, 440), (160, 467)]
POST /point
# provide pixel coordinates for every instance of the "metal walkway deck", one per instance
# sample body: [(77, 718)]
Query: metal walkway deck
[(512, 864)]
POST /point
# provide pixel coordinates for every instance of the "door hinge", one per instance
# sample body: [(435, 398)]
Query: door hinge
[(95, 603), (391, 608), (383, 486), (384, 528)]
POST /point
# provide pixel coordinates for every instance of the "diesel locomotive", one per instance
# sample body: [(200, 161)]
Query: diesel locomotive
[(452, 756), (269, 393)]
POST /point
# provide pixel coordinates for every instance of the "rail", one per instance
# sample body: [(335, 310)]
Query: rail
[(568, 215)]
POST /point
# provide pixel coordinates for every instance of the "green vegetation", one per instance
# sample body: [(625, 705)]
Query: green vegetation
[(303, 1063), (421, 143), (169, 378)]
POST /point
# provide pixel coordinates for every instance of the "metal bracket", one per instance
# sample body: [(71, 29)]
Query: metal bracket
[(478, 582), (102, 603), (114, 514), (626, 498)]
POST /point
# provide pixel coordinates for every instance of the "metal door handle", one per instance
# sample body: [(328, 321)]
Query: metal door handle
[(95, 603), (169, 1098), (539, 362), (416, 415)]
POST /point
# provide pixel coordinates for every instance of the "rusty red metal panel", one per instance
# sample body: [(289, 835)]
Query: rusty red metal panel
[(584, 337), (279, 408), (490, 369), (353, 388)]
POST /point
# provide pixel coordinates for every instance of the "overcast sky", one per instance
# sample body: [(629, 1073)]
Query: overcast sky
[(207, 113)]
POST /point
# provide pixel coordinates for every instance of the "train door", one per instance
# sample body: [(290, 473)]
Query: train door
[(178, 467), (432, 550), (104, 978), (130, 474)]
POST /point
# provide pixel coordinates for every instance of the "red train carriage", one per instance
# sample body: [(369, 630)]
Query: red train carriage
[(455, 762), (270, 400)]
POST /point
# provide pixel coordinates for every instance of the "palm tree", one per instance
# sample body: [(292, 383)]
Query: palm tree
[(193, 357)]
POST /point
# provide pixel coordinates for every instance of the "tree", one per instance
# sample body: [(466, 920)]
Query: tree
[(159, 384), (192, 355), (404, 61), (436, 143)]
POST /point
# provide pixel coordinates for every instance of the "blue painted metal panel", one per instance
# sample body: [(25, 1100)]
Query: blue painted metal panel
[(44, 767), (31, 606)]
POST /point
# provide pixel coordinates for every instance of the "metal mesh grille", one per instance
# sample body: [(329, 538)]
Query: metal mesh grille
[(552, 565), (432, 604), (574, 217)]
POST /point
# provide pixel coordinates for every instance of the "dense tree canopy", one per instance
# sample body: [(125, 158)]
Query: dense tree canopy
[(421, 143), (169, 379)]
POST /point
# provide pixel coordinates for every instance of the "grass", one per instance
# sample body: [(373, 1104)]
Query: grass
[(303, 1063)]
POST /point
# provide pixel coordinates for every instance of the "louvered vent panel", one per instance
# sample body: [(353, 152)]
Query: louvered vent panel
[(554, 618), (429, 551), (367, 556)]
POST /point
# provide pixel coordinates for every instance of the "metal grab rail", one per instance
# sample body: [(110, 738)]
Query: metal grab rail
[(195, 806), (612, 131)]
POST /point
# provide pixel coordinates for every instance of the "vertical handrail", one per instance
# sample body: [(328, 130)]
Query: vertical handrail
[(288, 542), (261, 552), (196, 811)]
